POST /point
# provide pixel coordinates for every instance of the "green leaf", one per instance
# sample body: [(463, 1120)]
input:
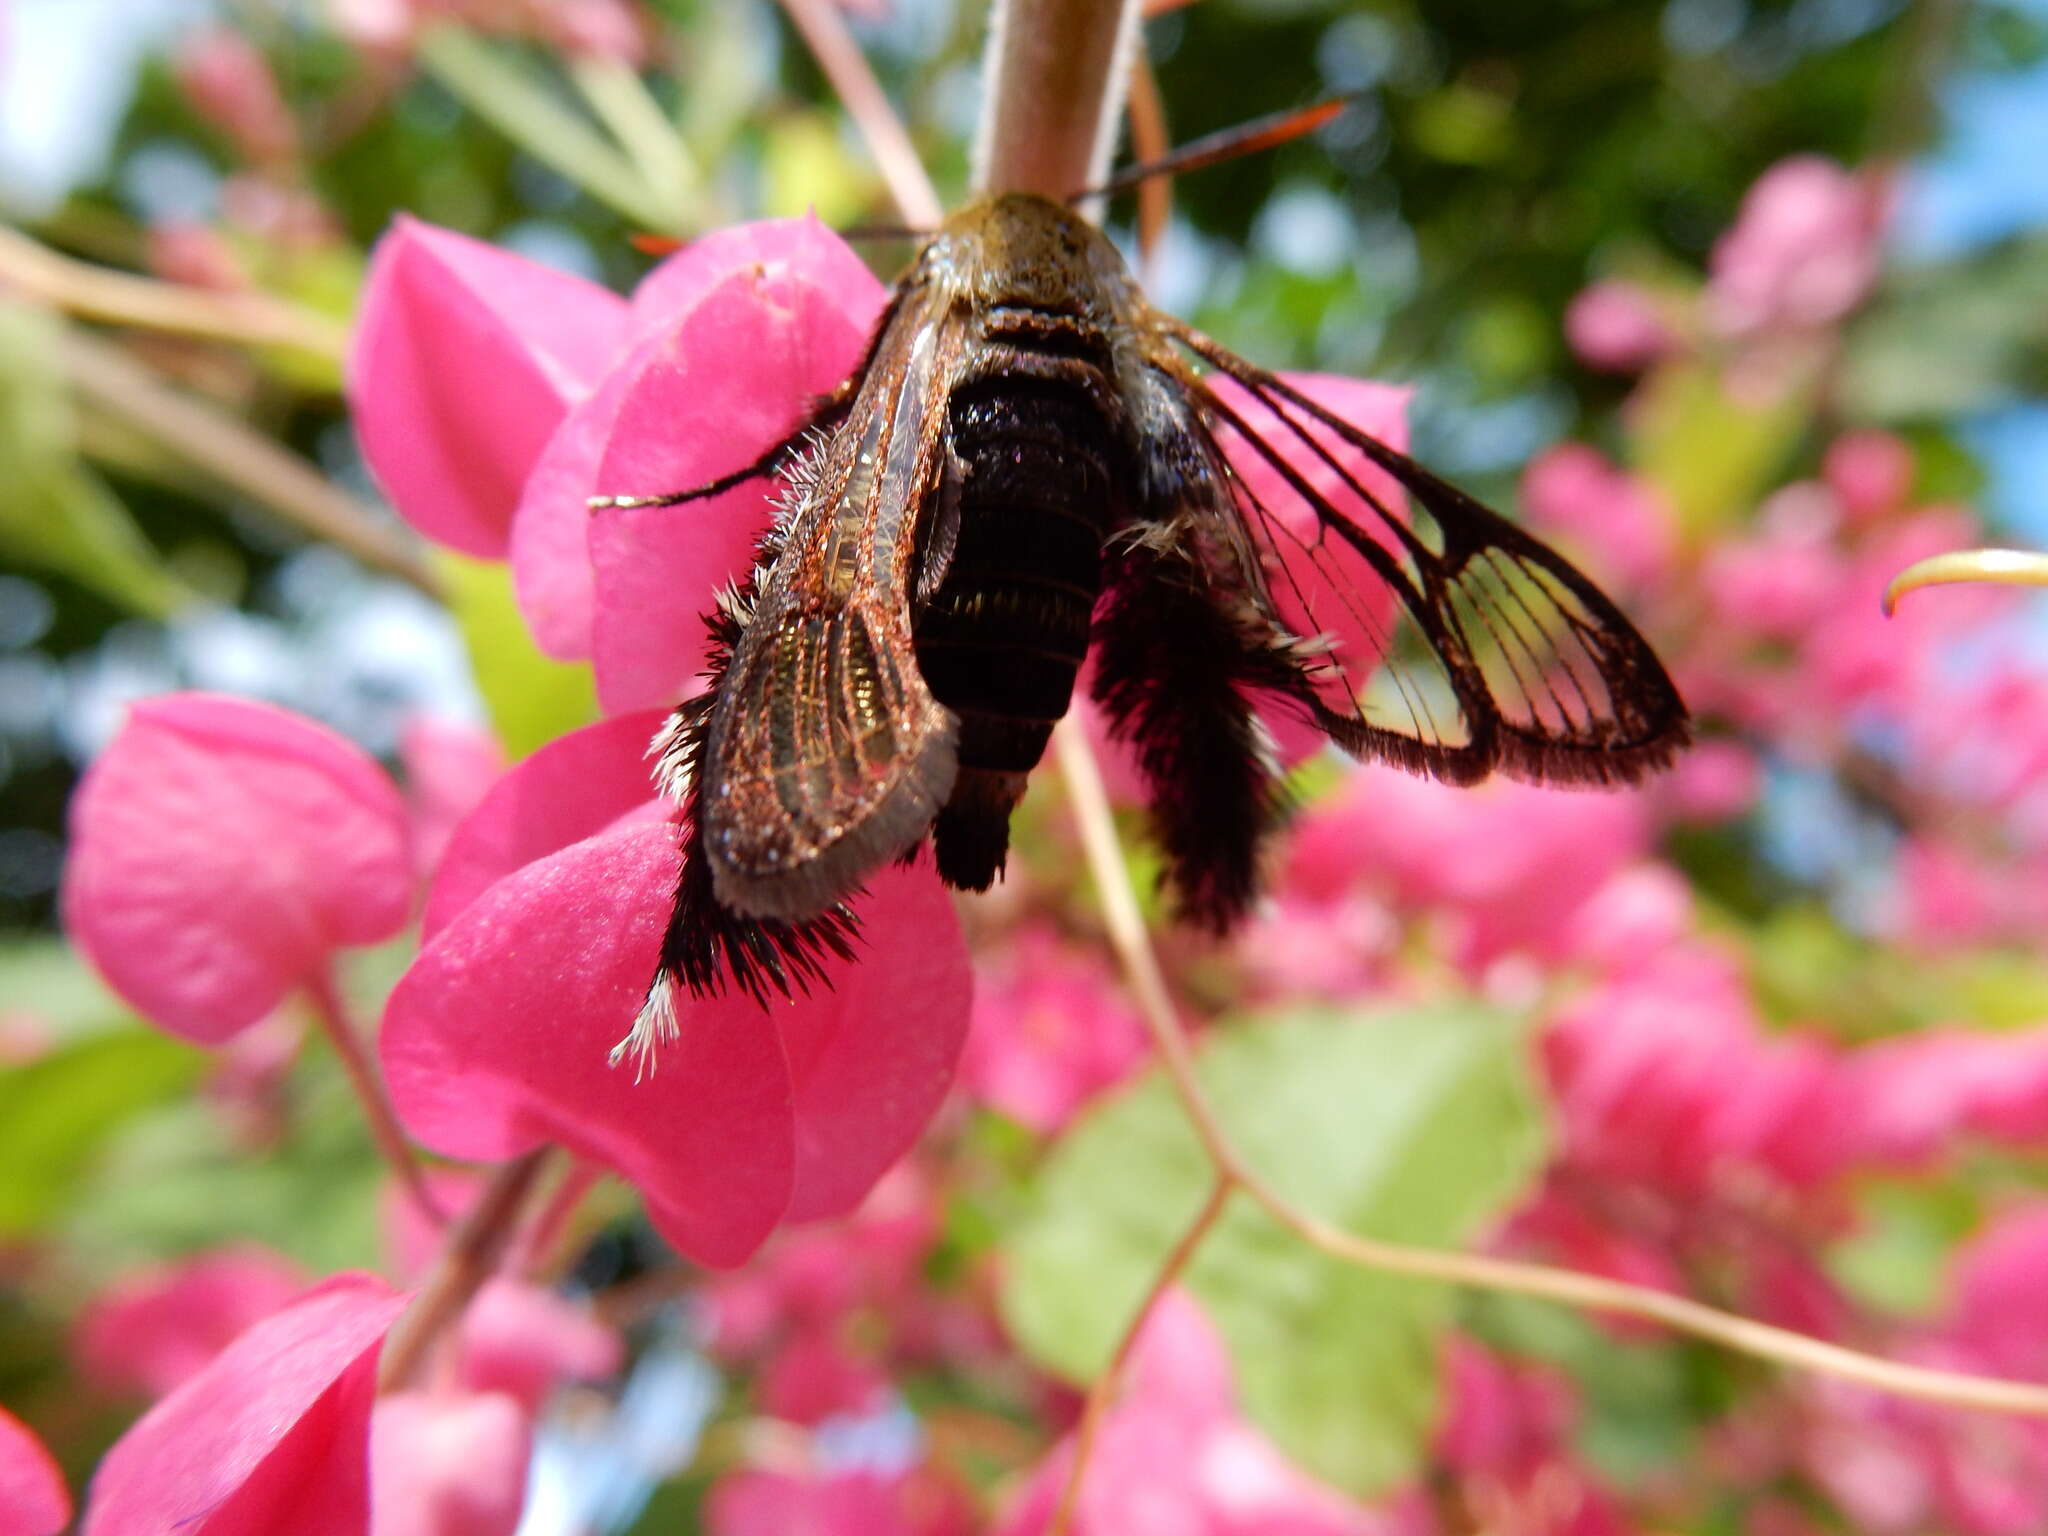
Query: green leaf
[(58, 1113), (532, 698), (1414, 1125), (56, 514)]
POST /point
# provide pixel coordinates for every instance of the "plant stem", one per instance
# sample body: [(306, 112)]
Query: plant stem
[(122, 298), (332, 1014), (216, 442), (1127, 935), (825, 34), (1102, 1394), (1052, 86), (471, 1255)]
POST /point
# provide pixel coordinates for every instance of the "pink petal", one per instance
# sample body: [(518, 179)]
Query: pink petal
[(871, 1059), (221, 851), (1338, 594), (803, 271), (33, 1499), (449, 768), (1617, 326), (448, 1464), (149, 1332), (272, 1436), (520, 1341), (464, 359), (496, 1040), (573, 787), (705, 397)]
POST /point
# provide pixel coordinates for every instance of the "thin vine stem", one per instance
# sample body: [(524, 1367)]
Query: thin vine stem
[(1127, 935), (1102, 1394), (332, 1015), (473, 1252)]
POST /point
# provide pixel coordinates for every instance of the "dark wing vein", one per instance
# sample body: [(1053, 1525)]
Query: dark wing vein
[(1546, 678)]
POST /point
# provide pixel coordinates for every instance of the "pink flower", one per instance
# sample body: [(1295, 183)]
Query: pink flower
[(541, 936), (518, 1341), (732, 338), (149, 1332), (1615, 326), (1913, 1096), (1803, 251), (1506, 1437), (33, 1499), (816, 1374), (229, 83), (1662, 1077), (1620, 523), (1175, 1454), (816, 1278), (186, 251), (1870, 472), (1051, 1030), (222, 851), (1776, 582), (448, 769), (447, 1464), (1714, 781), (272, 1436), (1505, 864), (759, 1502), (463, 360)]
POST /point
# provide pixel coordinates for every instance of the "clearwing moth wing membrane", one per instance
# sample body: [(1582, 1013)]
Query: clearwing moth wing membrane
[(1030, 462)]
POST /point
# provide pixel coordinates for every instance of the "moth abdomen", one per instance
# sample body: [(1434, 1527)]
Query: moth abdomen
[(1004, 635)]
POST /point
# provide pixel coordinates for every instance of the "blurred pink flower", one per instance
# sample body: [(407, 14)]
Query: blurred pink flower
[(1911, 1098), (1336, 946), (518, 1342), (1051, 1030), (1777, 580), (1803, 251), (150, 1331), (1663, 1077), (221, 852), (1506, 1438), (1619, 524), (1715, 780), (1870, 472), (1175, 1454), (855, 1502), (449, 767), (541, 934), (272, 1436), (229, 83), (1616, 326), (33, 1498), (815, 1374), (1503, 865), (607, 29), (447, 1464), (463, 359)]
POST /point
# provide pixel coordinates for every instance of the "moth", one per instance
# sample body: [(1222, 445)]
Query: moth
[(1028, 466)]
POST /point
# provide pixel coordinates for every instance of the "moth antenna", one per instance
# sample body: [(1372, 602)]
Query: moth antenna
[(1260, 133)]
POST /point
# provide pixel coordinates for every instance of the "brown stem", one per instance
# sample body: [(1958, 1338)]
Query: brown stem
[(332, 1014), (470, 1256), (1150, 140), (1102, 1395), (1127, 935), (839, 56), (122, 298), (1052, 88), (216, 442)]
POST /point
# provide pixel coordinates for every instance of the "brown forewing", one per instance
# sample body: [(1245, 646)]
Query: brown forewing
[(826, 754)]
